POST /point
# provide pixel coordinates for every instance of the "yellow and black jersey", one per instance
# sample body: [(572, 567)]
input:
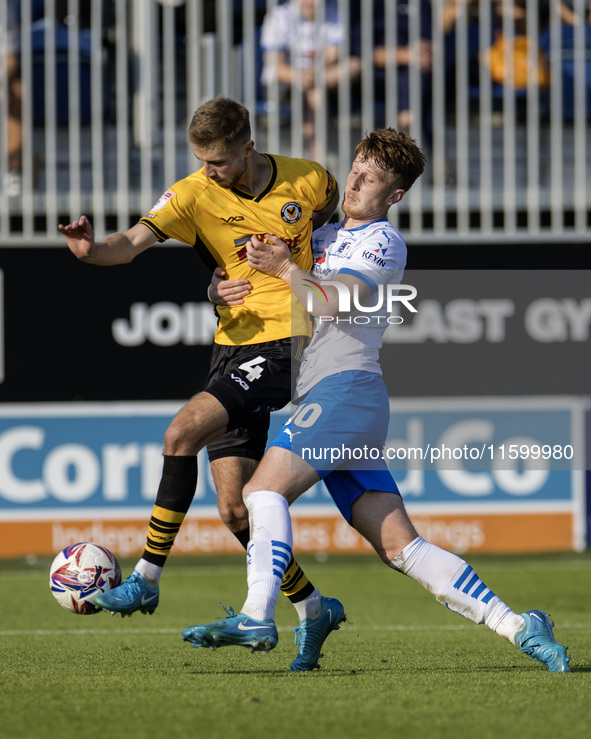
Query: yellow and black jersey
[(218, 222)]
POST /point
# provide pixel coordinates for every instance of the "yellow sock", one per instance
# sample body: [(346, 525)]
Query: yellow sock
[(162, 530), (296, 585)]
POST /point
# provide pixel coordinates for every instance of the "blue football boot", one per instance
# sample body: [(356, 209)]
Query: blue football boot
[(234, 630), (537, 641), (312, 633), (134, 594)]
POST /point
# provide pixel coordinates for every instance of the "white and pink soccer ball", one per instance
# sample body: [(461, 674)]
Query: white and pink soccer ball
[(79, 573)]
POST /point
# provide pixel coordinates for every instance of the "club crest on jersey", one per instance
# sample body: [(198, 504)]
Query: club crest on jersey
[(162, 200), (291, 212), (343, 248)]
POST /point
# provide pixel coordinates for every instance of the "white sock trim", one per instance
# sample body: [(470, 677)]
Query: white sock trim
[(150, 572), (310, 607), (509, 624), (265, 496), (401, 561)]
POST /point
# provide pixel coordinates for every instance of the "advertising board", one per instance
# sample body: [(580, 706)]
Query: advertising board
[(505, 475)]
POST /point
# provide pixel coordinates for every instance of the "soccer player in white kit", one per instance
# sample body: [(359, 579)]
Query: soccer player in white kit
[(342, 404)]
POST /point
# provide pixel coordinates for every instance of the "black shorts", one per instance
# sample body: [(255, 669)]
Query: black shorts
[(250, 382)]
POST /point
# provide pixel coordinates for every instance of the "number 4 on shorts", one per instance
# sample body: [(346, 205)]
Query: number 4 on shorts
[(253, 369)]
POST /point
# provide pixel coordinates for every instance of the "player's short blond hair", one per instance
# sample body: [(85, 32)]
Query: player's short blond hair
[(220, 119), (395, 152)]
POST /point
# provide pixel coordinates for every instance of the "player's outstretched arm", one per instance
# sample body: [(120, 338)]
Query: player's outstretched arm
[(119, 248)]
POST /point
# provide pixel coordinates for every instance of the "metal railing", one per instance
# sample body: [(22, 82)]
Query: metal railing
[(108, 87)]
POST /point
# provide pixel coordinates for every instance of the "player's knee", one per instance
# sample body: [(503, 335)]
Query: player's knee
[(250, 487), (235, 517), (185, 435), (181, 440), (173, 439)]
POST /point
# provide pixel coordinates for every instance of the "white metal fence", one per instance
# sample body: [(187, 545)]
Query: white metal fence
[(108, 87)]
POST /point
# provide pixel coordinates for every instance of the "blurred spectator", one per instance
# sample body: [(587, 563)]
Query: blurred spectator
[(452, 9), (291, 38), (516, 10), (520, 39), (575, 19), (10, 74), (408, 51), (569, 13)]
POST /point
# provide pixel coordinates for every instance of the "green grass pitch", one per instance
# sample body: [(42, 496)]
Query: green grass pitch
[(402, 666)]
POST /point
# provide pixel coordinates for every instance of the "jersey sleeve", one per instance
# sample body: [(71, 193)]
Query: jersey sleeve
[(378, 259), (326, 187), (172, 216)]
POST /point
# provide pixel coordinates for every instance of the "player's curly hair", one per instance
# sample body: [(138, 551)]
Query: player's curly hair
[(220, 119), (395, 152)]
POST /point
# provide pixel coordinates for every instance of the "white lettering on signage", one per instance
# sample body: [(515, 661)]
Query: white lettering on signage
[(460, 321), (166, 324), (33, 470), (465, 321), (549, 320), (72, 473)]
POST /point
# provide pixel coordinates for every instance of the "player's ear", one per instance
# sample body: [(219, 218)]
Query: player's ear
[(396, 196), (247, 148)]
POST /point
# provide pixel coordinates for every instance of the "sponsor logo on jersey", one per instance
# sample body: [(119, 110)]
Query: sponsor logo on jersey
[(162, 200), (291, 212), (233, 219), (240, 244), (294, 243), (291, 433), (240, 381), (321, 272), (374, 258)]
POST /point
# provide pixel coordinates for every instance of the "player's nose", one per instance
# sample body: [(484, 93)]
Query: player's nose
[(352, 182)]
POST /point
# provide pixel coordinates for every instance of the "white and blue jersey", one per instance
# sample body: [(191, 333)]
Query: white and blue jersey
[(375, 254), (341, 421)]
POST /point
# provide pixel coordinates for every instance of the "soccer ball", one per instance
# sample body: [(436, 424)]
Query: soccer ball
[(79, 573)]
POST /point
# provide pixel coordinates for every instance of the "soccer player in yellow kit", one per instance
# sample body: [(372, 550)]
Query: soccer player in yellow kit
[(238, 192)]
